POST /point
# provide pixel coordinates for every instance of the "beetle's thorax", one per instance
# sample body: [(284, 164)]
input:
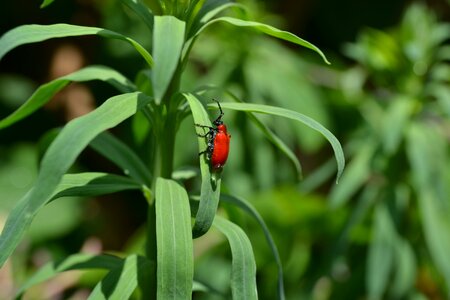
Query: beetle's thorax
[(222, 128)]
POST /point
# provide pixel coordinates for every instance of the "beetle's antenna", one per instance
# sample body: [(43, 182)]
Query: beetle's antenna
[(219, 118)]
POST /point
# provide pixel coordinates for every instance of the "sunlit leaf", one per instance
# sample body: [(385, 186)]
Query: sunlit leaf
[(243, 269), (93, 184), (210, 189), (75, 136), (45, 92), (175, 259), (27, 34), (168, 38)]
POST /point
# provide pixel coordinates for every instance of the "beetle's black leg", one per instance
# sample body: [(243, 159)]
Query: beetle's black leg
[(205, 126)]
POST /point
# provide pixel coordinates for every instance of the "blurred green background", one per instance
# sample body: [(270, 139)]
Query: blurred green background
[(382, 233)]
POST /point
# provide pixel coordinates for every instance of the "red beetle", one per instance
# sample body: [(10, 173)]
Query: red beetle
[(218, 141)]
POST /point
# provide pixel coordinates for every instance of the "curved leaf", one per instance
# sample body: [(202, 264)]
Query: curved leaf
[(73, 262), (123, 156), (141, 10), (93, 184), (267, 29), (281, 112), (168, 39), (175, 259), (248, 208), (243, 268), (74, 137), (46, 91), (274, 139), (27, 34), (121, 281), (209, 10), (210, 189)]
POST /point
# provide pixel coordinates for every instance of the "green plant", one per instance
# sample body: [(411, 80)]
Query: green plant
[(397, 178), (167, 269)]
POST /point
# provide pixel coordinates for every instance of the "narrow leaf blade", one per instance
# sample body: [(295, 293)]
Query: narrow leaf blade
[(73, 262), (123, 156), (289, 114), (269, 30), (141, 10), (248, 208), (45, 92), (121, 281), (75, 136), (168, 38), (210, 189), (93, 184), (243, 268), (27, 34), (175, 260)]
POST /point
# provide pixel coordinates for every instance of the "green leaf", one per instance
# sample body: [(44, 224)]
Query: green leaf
[(243, 268), (175, 259), (274, 139), (395, 121), (209, 10), (123, 156), (45, 92), (269, 30), (427, 153), (168, 38), (121, 281), (289, 114), (27, 34), (405, 270), (248, 208), (210, 189), (141, 10), (73, 262), (381, 253), (93, 184), (357, 173), (75, 136)]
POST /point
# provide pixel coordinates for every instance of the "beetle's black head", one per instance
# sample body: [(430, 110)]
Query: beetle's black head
[(218, 121)]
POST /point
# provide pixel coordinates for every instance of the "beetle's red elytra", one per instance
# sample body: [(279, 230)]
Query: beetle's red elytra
[(218, 141)]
